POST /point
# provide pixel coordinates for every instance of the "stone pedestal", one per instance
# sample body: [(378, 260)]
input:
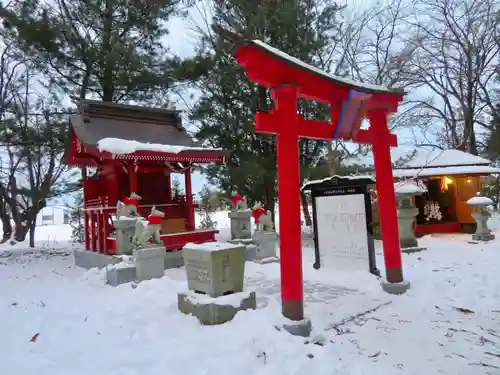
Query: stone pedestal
[(150, 263), (121, 273), (394, 288), (215, 274), (250, 248), (212, 311), (215, 268), (266, 244), (482, 232), (125, 229), (240, 224)]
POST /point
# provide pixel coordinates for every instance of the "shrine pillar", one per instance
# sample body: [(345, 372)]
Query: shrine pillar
[(287, 141), (189, 201), (169, 187), (86, 232), (132, 175), (387, 199)]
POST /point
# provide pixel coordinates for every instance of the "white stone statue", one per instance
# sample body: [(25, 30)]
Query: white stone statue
[(238, 202), (263, 219), (148, 230), (128, 208)]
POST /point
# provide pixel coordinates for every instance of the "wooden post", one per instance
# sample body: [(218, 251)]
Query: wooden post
[(105, 219), (189, 201), (386, 196), (132, 174), (169, 187), (85, 213), (100, 229), (93, 229)]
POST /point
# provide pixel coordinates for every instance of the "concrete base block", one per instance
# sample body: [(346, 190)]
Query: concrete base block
[(250, 252), (410, 250), (483, 237), (250, 248), (267, 260), (213, 311), (301, 328), (395, 288), (266, 244), (150, 263), (121, 275), (408, 242), (173, 259), (90, 259)]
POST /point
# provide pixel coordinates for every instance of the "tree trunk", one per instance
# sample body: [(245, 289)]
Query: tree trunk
[(305, 209), (6, 224), (20, 231), (32, 233)]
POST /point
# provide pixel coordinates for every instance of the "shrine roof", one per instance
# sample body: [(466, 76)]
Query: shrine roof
[(125, 129), (430, 162), (302, 65)]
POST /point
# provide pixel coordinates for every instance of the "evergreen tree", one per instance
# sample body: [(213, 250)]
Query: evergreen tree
[(304, 29), (207, 208), (110, 49), (76, 219), (176, 187)]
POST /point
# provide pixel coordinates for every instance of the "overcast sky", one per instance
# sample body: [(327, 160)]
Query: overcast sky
[(181, 42)]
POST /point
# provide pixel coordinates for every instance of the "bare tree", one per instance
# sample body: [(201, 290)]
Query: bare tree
[(33, 140), (11, 70), (458, 51)]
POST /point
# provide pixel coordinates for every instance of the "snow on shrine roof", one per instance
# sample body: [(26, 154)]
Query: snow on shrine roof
[(445, 171), (123, 129), (122, 146), (430, 162), (303, 65)]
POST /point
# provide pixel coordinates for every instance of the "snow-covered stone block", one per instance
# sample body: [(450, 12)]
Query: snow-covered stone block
[(90, 259), (215, 268), (266, 244), (250, 248), (173, 259), (219, 310), (121, 273), (150, 263)]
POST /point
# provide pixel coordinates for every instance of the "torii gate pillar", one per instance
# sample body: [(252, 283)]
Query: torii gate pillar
[(287, 140)]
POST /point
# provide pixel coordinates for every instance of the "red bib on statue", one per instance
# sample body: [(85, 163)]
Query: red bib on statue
[(257, 213), (155, 220)]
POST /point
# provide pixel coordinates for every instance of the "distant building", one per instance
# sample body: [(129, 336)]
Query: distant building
[(53, 215)]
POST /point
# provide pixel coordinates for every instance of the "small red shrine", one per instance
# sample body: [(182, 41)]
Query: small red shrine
[(289, 79), (135, 150)]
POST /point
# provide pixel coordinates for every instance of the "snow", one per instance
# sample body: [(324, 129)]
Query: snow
[(409, 187), (447, 322), (445, 171), (480, 201), (424, 158), (430, 162), (122, 146), (353, 177), (304, 65), (211, 246), (233, 300)]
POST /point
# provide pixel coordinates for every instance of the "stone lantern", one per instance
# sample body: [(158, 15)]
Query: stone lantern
[(406, 211), (481, 215)]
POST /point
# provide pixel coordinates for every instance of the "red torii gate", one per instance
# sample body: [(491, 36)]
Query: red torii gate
[(289, 78)]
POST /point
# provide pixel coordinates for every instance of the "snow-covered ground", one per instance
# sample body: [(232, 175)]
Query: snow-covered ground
[(447, 323)]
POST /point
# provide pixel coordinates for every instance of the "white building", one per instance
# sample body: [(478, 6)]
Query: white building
[(53, 215)]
